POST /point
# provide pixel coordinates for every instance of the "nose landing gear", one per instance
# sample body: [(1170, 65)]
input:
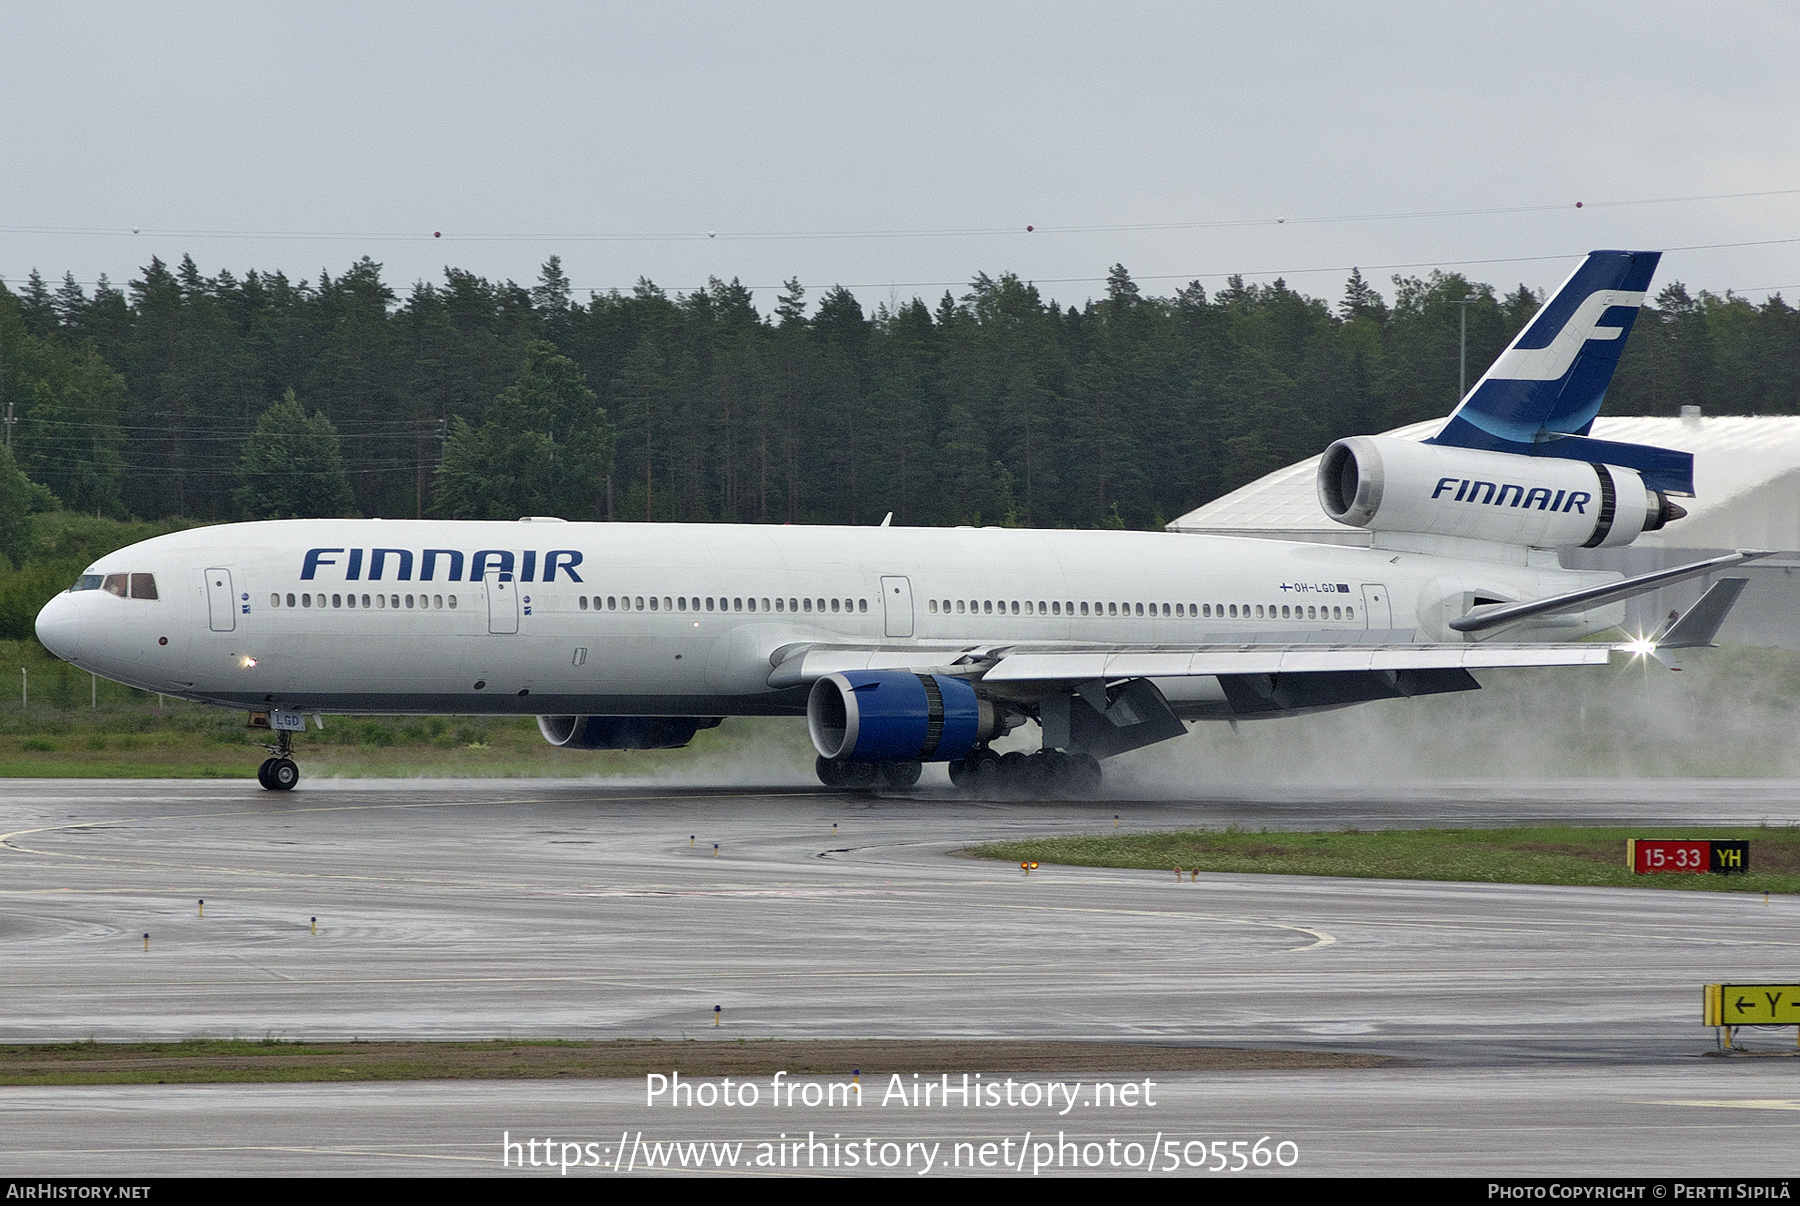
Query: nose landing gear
[(279, 772)]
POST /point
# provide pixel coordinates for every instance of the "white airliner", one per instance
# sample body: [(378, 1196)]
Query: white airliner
[(910, 645)]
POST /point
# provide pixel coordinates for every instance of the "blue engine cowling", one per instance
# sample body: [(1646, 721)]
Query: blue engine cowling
[(896, 716), (622, 732)]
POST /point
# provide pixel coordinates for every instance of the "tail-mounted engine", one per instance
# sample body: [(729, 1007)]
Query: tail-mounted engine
[(1392, 485)]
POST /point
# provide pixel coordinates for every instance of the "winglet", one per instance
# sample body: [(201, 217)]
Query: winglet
[(1698, 628)]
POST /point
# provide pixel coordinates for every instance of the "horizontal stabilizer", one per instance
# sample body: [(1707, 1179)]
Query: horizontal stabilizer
[(1698, 628), (1482, 619), (1662, 469)]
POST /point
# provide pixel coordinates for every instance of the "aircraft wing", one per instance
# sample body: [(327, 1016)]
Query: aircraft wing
[(1022, 663)]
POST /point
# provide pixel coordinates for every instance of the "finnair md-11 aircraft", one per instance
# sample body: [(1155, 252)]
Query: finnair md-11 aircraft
[(907, 645)]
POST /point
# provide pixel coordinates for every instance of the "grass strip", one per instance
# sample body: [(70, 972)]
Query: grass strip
[(202, 1061), (1560, 854)]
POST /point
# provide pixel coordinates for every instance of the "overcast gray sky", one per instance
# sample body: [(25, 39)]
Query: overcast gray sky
[(901, 148)]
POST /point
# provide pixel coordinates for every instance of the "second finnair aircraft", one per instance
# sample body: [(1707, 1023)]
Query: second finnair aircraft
[(908, 645)]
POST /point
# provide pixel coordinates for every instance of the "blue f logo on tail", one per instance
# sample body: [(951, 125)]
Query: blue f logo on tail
[(1541, 396)]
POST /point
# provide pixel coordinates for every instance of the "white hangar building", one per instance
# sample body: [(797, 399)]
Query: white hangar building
[(1747, 495)]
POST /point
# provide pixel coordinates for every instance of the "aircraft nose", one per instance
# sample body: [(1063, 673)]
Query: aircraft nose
[(57, 626)]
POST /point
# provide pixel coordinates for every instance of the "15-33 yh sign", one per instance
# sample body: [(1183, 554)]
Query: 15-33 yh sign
[(1653, 856)]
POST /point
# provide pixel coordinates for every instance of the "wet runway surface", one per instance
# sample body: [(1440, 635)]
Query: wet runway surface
[(578, 910)]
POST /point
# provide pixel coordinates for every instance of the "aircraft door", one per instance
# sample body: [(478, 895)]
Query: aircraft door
[(897, 604), (221, 604), (502, 601), (1376, 611)]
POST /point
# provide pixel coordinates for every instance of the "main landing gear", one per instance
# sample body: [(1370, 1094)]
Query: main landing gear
[(280, 772), (1045, 773), (982, 773), (841, 772)]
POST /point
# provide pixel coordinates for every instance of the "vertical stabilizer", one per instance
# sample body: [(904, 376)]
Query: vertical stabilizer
[(1541, 396)]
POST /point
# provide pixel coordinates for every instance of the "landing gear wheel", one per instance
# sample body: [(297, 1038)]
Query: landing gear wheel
[(1084, 777), (262, 773), (283, 774), (985, 772), (840, 772), (859, 775), (979, 771), (1016, 773), (900, 774)]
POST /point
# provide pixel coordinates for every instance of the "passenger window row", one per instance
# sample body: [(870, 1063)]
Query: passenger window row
[(126, 586), (1179, 610), (143, 586), (1242, 611), (988, 607), (378, 602), (740, 603)]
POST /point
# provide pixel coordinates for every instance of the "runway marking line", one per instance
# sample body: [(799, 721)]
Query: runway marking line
[(1746, 1103), (1321, 938)]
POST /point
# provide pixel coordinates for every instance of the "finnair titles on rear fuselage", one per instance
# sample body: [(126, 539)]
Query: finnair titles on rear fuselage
[(906, 645)]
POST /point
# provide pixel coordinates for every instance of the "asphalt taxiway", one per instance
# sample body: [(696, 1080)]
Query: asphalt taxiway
[(585, 910)]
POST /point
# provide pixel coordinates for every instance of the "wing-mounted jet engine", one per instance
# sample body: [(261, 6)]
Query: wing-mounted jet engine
[(868, 724)]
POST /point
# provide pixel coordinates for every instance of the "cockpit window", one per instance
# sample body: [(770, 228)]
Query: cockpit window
[(126, 586)]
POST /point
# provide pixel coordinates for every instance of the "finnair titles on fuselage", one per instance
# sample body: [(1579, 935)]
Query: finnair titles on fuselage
[(906, 645)]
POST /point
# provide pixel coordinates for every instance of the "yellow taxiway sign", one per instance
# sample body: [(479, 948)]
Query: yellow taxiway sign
[(1752, 1005)]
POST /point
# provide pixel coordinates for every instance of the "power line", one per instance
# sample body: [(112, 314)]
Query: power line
[(900, 233)]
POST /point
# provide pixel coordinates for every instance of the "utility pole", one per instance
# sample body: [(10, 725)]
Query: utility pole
[(1462, 371)]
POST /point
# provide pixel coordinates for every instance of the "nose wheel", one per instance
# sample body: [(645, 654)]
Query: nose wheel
[(280, 772)]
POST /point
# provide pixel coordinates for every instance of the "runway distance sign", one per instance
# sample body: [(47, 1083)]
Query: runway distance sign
[(1654, 856), (1752, 1005)]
